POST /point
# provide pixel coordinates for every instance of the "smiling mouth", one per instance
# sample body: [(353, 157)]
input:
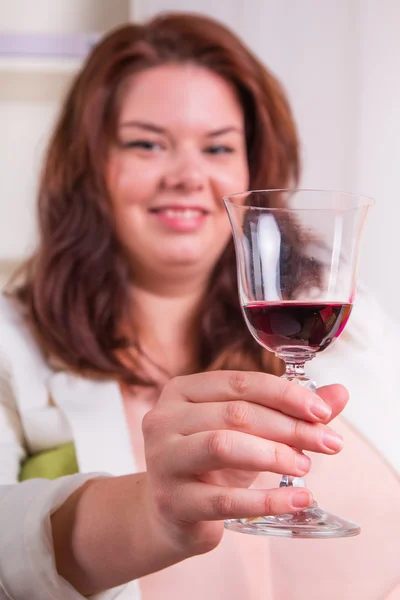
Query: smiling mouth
[(180, 213)]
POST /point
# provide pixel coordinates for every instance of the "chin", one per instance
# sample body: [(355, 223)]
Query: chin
[(181, 261), (186, 260), (205, 251)]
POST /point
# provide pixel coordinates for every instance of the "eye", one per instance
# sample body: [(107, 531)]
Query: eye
[(219, 150), (147, 145)]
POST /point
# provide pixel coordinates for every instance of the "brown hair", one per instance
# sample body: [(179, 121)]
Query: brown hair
[(76, 286)]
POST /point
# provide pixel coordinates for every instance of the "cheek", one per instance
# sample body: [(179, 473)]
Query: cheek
[(130, 183), (243, 175), (231, 181)]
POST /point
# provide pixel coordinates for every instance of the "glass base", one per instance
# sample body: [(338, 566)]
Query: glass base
[(311, 523)]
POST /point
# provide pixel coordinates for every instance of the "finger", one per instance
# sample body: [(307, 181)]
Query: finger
[(204, 502), (211, 451), (256, 420), (259, 388), (336, 396)]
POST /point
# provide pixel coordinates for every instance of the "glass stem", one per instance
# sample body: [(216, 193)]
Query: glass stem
[(295, 372)]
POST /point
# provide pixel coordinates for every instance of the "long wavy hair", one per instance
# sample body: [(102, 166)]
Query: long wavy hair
[(76, 289)]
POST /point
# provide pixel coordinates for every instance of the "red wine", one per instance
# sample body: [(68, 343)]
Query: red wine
[(288, 325)]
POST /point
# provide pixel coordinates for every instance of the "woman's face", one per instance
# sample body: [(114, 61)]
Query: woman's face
[(181, 147)]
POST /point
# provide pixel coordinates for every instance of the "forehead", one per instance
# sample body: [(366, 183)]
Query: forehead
[(180, 95)]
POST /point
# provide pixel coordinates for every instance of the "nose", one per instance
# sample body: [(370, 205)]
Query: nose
[(185, 173)]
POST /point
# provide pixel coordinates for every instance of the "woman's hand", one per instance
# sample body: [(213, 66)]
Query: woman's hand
[(206, 440), (211, 434)]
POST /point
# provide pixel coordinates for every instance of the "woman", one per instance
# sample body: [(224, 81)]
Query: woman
[(114, 337)]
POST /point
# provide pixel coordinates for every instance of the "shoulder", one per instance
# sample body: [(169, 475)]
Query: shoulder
[(369, 334), (19, 350), (12, 322), (9, 313), (12, 327), (364, 360), (369, 321)]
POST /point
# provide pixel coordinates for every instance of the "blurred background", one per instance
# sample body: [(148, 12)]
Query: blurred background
[(339, 61)]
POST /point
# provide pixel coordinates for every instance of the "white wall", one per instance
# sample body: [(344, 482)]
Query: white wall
[(309, 46), (377, 159), (339, 62), (29, 101), (62, 15)]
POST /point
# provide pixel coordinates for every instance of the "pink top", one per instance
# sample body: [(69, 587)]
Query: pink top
[(357, 484)]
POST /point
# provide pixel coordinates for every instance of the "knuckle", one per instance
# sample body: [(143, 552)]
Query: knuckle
[(164, 501), (150, 422), (154, 426), (239, 382), (219, 444), (237, 413), (172, 387), (281, 457), (300, 429), (224, 505), (177, 382), (287, 392), (270, 505)]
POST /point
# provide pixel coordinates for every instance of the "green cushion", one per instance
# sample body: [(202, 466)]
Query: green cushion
[(50, 464)]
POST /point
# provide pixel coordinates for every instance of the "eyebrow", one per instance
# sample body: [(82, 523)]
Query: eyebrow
[(225, 130), (156, 129), (142, 125)]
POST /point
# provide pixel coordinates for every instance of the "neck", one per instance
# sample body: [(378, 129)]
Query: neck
[(171, 282), (165, 319)]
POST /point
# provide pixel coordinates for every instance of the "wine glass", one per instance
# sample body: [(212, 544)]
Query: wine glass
[(296, 254)]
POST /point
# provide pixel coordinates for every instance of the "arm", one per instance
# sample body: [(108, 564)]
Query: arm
[(201, 459), (12, 450), (27, 559), (98, 531), (364, 359), (27, 568)]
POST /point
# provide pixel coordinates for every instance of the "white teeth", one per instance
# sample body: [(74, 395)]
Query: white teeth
[(185, 213)]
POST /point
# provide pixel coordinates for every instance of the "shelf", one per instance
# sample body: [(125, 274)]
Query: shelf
[(43, 44), (38, 66), (44, 52), (8, 267), (50, 65)]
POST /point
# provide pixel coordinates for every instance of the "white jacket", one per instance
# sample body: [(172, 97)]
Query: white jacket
[(42, 409)]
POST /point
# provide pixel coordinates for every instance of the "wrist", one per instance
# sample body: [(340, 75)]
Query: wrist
[(183, 539)]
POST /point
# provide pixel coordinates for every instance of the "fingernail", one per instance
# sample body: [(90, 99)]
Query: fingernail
[(301, 499), (302, 462), (332, 441), (320, 410)]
